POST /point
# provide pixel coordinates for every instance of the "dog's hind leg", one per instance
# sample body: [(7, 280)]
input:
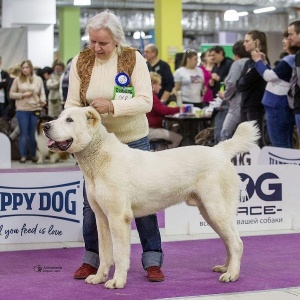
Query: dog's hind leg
[(222, 220), (105, 247), (120, 232)]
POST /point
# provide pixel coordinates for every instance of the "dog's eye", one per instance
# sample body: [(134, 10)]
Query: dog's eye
[(69, 120)]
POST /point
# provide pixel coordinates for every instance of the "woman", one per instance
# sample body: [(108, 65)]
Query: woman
[(28, 91), (53, 85), (231, 95), (189, 79), (206, 66), (114, 79), (280, 117), (155, 116), (251, 84)]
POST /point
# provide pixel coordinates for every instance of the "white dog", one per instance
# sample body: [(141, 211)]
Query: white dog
[(123, 183)]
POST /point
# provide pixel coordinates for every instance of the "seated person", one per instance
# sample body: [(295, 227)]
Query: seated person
[(155, 116)]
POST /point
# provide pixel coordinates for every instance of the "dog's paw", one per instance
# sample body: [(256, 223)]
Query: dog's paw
[(115, 283), (220, 269), (95, 279), (228, 277)]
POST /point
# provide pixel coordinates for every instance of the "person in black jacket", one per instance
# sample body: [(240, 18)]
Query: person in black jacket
[(220, 69), (251, 85), (219, 72), (4, 90), (294, 93), (162, 68)]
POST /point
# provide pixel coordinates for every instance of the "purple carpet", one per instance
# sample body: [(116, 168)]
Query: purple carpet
[(269, 262)]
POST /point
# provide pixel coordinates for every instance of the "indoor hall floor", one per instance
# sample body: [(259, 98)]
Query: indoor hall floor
[(286, 294)]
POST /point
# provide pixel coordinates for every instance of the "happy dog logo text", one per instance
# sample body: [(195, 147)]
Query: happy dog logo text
[(48, 201)]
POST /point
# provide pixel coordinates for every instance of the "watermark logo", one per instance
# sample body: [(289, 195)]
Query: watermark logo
[(47, 269)]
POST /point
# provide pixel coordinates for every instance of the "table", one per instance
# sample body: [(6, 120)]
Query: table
[(189, 126)]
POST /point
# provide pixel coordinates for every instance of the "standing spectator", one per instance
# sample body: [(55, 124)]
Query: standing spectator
[(162, 68), (206, 65), (108, 60), (251, 84), (4, 90), (11, 108), (294, 93), (189, 79), (219, 72), (231, 95), (64, 81), (280, 118), (155, 116), (220, 69), (53, 85), (28, 91)]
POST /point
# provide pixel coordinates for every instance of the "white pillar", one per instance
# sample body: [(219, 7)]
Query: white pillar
[(5, 150), (39, 17)]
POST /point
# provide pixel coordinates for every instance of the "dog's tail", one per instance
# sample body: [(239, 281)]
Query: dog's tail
[(245, 136)]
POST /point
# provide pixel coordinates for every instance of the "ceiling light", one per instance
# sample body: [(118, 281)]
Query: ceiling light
[(263, 10), (231, 15), (138, 35), (82, 2), (242, 13)]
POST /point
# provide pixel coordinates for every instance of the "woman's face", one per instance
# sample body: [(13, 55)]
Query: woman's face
[(156, 87), (286, 44), (101, 43), (26, 70), (192, 62), (250, 44)]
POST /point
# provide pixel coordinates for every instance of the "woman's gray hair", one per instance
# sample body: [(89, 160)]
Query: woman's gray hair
[(109, 21)]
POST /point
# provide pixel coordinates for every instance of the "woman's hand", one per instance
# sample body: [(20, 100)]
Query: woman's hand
[(27, 94), (221, 94), (102, 105), (257, 55)]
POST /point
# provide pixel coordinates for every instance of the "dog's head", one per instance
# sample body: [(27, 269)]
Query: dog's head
[(73, 130)]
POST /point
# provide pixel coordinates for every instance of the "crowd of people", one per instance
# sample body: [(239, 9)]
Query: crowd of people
[(27, 93), (249, 88)]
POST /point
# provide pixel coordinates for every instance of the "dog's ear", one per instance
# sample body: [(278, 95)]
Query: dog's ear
[(92, 116)]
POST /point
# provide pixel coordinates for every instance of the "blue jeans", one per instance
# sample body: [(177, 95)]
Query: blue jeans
[(147, 228), (280, 124), (27, 121)]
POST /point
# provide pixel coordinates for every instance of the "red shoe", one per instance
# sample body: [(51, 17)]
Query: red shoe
[(155, 274), (84, 271)]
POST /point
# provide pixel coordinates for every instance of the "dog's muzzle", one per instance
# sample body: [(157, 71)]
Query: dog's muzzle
[(53, 145)]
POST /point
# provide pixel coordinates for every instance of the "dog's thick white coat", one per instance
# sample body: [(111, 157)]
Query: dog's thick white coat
[(123, 183)]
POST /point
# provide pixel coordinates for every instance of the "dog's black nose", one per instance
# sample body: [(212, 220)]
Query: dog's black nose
[(46, 127)]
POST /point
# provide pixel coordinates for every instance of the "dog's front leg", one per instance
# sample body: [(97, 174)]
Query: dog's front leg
[(120, 232), (105, 248)]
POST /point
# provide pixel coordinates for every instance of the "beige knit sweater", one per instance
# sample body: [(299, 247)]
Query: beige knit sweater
[(129, 122), (38, 99)]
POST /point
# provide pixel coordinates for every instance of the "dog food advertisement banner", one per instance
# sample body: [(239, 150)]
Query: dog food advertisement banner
[(269, 200), (41, 207)]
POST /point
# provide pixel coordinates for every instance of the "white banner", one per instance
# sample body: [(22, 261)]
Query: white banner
[(41, 207), (279, 156), (269, 200)]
